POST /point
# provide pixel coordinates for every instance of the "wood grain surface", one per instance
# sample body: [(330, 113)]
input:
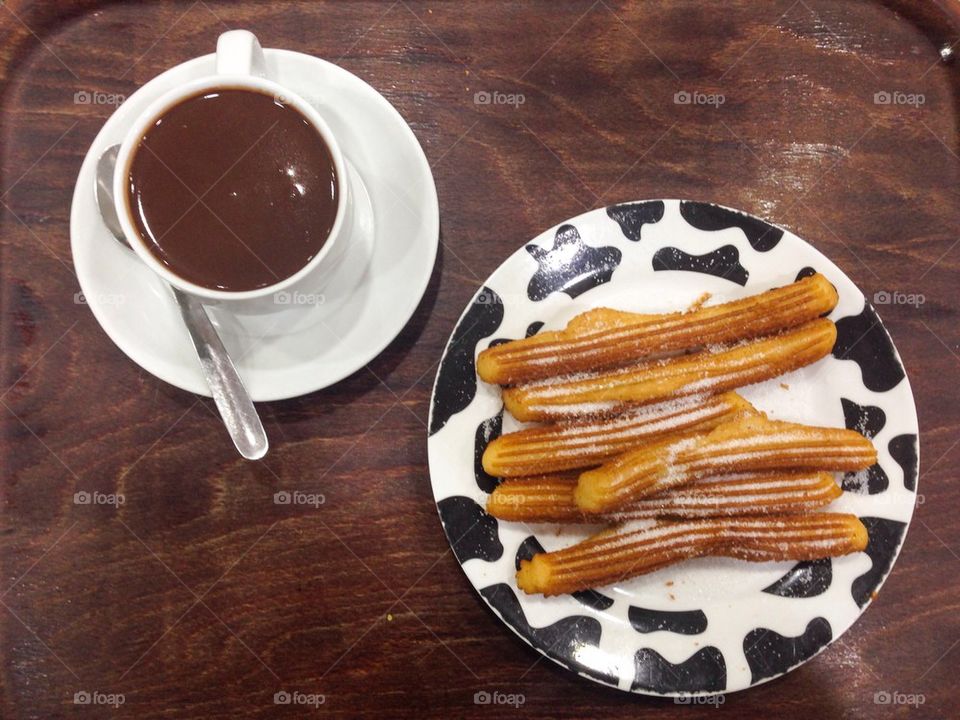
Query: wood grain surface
[(201, 598)]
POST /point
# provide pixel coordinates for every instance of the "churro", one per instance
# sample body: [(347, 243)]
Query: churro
[(752, 443), (754, 493), (546, 498), (587, 443), (616, 555), (605, 338), (709, 371), (550, 498)]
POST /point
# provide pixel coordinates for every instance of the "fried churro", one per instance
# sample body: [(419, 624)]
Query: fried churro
[(760, 493), (544, 498), (709, 371), (586, 443), (605, 338), (749, 444), (616, 555), (550, 498)]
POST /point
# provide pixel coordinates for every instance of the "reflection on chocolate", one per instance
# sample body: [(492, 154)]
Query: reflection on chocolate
[(233, 189)]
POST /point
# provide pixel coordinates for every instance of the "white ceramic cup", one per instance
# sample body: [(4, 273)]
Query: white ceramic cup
[(240, 64)]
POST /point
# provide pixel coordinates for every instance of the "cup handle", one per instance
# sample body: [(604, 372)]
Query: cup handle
[(239, 53)]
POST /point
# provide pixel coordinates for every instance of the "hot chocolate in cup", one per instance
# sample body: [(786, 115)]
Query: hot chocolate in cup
[(233, 188)]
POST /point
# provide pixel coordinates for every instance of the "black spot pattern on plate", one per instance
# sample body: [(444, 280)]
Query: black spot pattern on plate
[(805, 579), (769, 653), (884, 539), (570, 266), (761, 235), (871, 481), (862, 339), (868, 420), (486, 431), (724, 262), (631, 217), (684, 622), (903, 449), (528, 548), (471, 531), (704, 671), (456, 381), (560, 641), (591, 598)]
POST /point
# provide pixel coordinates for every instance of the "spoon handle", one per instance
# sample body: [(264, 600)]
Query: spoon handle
[(233, 401)]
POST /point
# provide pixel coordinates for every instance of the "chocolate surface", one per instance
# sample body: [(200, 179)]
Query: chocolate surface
[(233, 189)]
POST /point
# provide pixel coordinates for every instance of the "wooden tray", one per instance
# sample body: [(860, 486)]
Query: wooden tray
[(200, 597)]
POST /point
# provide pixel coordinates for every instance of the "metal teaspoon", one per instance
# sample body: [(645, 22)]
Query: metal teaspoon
[(234, 403)]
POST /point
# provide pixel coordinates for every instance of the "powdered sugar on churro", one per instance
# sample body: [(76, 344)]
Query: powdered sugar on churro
[(607, 337), (705, 372), (636, 422), (649, 414), (588, 439), (573, 409)]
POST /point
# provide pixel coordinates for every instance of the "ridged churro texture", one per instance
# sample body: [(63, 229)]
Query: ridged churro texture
[(748, 444), (604, 338), (616, 555), (546, 498), (708, 371), (770, 493), (550, 498), (589, 442)]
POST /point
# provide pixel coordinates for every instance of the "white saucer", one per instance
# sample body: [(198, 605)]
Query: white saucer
[(381, 281)]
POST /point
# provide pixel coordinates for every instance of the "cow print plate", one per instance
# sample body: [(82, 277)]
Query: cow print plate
[(710, 625)]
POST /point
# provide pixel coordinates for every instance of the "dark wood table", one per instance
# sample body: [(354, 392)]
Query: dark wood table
[(199, 597)]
